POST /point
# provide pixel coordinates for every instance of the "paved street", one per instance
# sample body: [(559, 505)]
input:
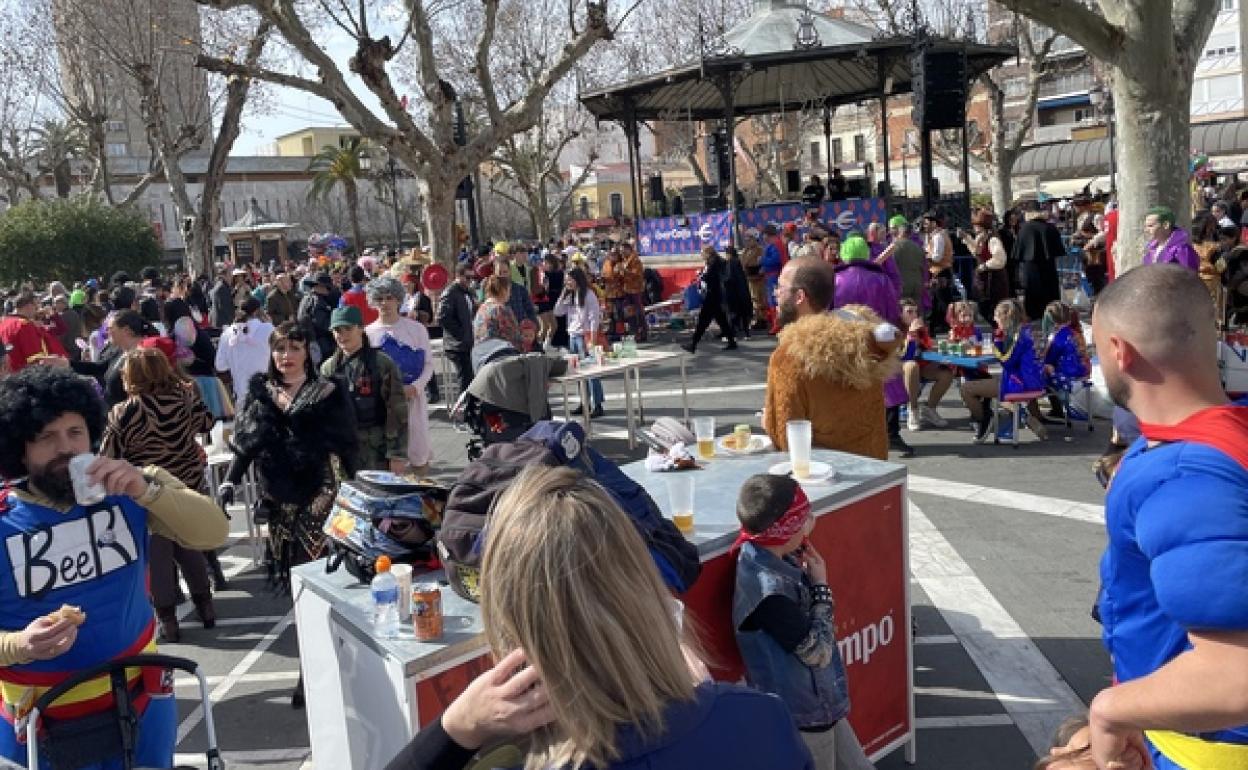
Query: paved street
[(1004, 548)]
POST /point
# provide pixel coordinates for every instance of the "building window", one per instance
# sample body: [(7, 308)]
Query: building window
[(1222, 44), (860, 148), (837, 155), (1217, 94), (308, 149), (617, 205), (115, 149), (815, 153), (114, 126), (1015, 87), (1011, 126), (584, 205), (1229, 5)]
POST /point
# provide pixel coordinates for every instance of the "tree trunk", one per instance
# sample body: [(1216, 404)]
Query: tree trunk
[(1153, 137), (353, 211), (63, 178), (440, 219), (1001, 181)]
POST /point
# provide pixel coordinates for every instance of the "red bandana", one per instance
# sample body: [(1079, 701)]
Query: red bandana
[(1224, 428), (782, 529)]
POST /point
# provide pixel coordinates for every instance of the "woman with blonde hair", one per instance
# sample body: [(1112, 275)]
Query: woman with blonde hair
[(157, 425), (568, 586)]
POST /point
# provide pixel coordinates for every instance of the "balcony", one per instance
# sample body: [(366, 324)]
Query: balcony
[(1060, 132), (1064, 85)]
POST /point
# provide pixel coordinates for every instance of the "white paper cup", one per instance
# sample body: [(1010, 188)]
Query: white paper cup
[(85, 492), (798, 433), (403, 574)]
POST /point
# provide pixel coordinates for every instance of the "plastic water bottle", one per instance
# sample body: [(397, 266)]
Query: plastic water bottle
[(385, 590)]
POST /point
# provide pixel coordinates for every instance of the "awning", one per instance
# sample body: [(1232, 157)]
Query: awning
[(1090, 157), (1062, 101)]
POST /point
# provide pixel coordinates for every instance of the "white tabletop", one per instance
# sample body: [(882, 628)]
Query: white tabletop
[(643, 358)]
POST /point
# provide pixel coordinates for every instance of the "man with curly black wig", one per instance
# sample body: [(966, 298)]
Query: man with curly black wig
[(73, 577)]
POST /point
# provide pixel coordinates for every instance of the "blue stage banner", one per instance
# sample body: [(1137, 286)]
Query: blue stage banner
[(684, 235), (847, 215), (687, 235)]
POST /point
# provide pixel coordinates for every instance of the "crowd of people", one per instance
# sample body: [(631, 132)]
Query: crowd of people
[(327, 369)]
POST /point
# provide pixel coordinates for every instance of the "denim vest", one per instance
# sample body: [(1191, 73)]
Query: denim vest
[(817, 697)]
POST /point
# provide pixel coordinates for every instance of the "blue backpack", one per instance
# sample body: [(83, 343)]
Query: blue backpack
[(461, 539)]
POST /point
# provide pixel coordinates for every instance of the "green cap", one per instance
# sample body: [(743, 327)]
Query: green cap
[(347, 315), (854, 249), (77, 298), (897, 220)]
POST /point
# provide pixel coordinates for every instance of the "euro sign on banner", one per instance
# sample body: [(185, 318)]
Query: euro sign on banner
[(674, 236)]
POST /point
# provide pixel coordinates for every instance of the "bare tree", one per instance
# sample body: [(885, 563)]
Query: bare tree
[(1151, 48), (148, 51), (425, 143)]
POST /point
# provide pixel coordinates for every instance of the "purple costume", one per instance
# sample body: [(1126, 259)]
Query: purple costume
[(860, 282), (1177, 249)]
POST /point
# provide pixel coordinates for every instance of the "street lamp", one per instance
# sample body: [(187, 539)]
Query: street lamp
[(392, 173), (1103, 100)]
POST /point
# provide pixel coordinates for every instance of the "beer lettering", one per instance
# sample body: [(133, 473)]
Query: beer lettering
[(70, 553)]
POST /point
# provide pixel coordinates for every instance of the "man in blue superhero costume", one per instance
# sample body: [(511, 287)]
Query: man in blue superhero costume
[(1174, 604), (56, 552)]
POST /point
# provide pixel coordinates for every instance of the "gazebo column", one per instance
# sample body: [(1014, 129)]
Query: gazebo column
[(630, 138), (884, 65), (727, 86), (827, 139)]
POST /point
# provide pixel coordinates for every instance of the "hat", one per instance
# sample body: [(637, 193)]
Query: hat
[(92, 283), (250, 305), (78, 298), (855, 249), (380, 288), (347, 315), (325, 280), (898, 220), (308, 281), (502, 248)]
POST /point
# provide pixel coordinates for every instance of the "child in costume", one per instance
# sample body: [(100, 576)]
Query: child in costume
[(1020, 371), (961, 319), (782, 615), (1066, 354)]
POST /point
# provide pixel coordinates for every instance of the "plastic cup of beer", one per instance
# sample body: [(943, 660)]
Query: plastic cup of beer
[(704, 429), (798, 433), (680, 496)]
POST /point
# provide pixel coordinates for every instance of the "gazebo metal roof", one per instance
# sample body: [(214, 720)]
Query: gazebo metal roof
[(835, 62)]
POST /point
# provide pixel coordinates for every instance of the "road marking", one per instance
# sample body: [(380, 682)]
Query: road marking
[(263, 676), (260, 756), (252, 620), (936, 639), (1004, 498), (231, 679), (1037, 698), (975, 720)]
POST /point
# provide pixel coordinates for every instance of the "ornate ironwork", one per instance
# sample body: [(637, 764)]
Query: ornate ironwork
[(716, 46), (807, 36)]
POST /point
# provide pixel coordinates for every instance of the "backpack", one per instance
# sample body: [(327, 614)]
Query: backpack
[(552, 444), (381, 514)]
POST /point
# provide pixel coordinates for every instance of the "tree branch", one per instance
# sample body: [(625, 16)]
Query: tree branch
[(482, 64), (1193, 20), (1083, 25)]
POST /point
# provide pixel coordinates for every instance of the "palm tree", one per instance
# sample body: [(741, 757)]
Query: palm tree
[(344, 166), (56, 143)]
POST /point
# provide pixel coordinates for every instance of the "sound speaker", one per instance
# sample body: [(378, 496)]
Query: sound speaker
[(793, 181), (883, 189), (856, 188), (939, 80), (656, 187)]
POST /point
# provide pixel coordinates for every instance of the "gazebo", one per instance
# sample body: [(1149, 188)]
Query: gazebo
[(783, 58), (256, 237)]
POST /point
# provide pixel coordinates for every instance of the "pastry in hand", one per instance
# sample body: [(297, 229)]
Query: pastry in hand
[(68, 612)]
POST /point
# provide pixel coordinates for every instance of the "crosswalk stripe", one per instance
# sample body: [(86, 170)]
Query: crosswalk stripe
[(1007, 658), (1004, 498)]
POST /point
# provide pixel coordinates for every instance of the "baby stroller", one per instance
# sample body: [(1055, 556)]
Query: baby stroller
[(503, 400)]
